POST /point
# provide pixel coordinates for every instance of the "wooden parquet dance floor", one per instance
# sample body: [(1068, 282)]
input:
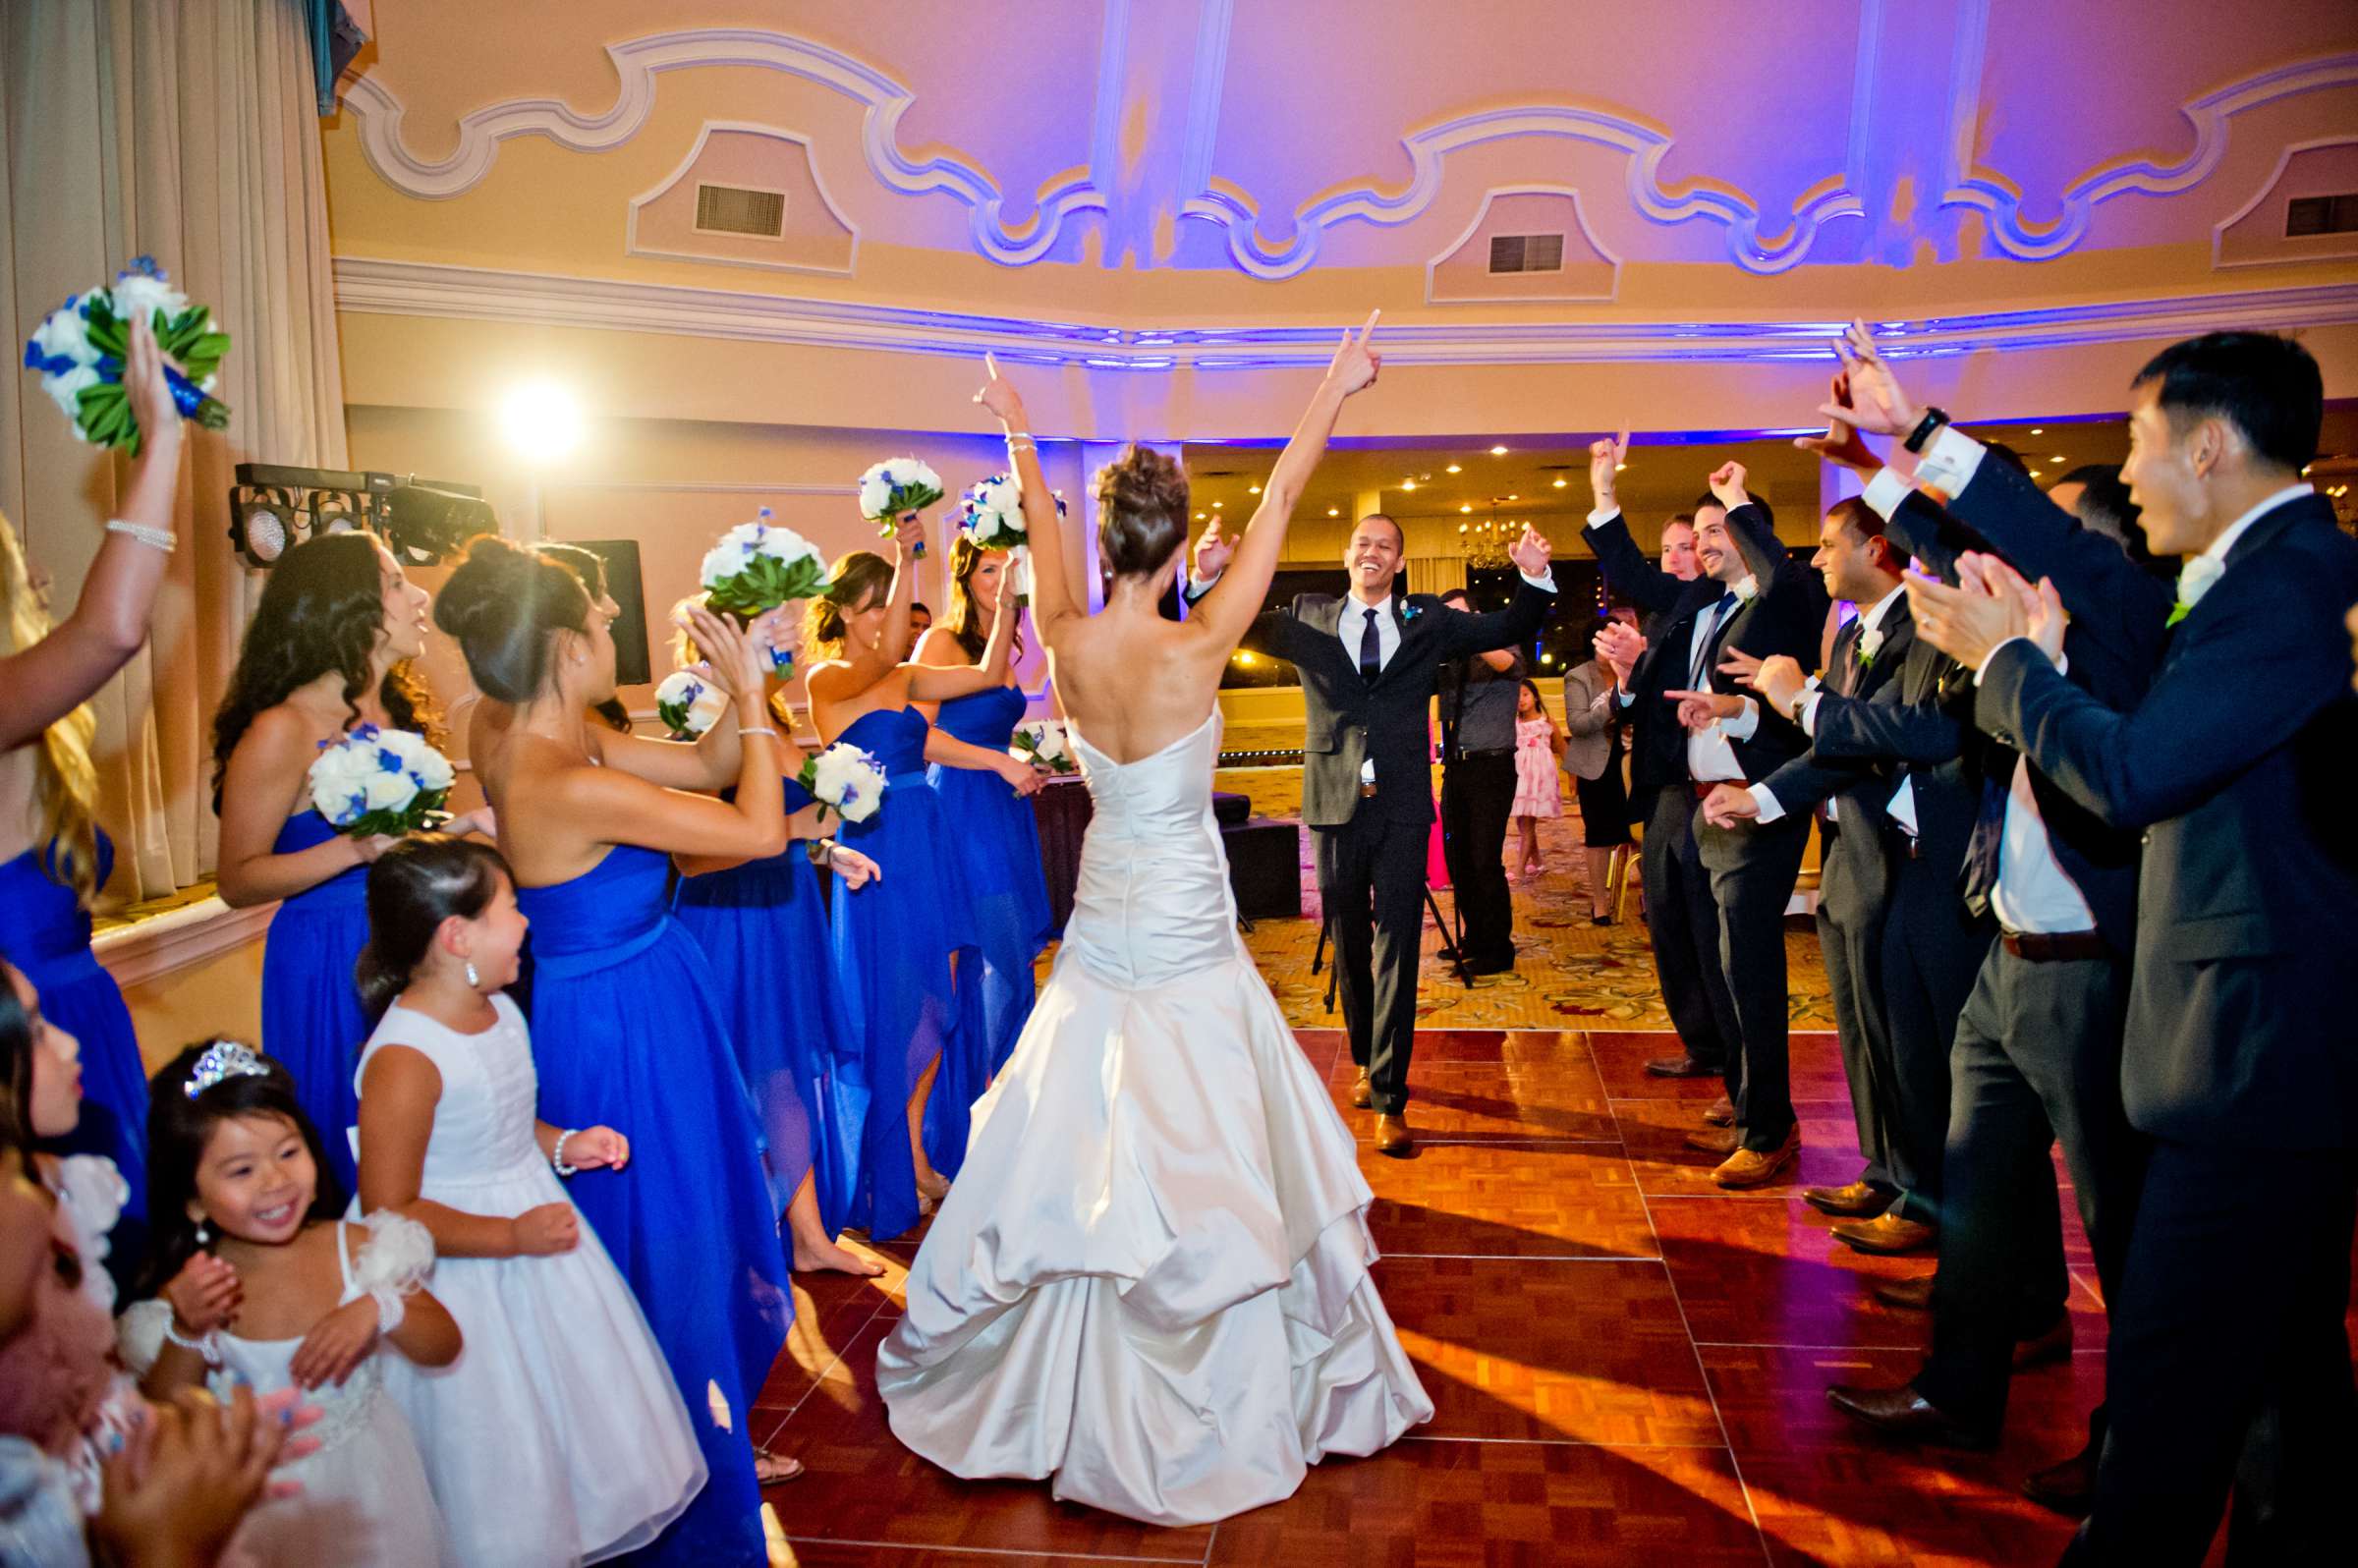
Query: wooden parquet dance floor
[(1628, 1365)]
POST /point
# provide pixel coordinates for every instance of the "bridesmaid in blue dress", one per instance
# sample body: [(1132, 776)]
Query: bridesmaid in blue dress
[(893, 944), (986, 792), (53, 857), (762, 924), (627, 1024), (328, 649)]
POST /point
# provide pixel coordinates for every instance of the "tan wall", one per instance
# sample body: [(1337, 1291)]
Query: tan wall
[(218, 995)]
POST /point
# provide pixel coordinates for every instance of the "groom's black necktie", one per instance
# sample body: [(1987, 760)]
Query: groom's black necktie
[(1371, 651)]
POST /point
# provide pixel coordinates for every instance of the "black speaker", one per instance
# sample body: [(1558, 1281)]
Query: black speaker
[(630, 630)]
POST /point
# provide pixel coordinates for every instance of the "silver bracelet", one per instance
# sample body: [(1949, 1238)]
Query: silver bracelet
[(556, 1155), (756, 729), (206, 1344), (1021, 440), (154, 539)]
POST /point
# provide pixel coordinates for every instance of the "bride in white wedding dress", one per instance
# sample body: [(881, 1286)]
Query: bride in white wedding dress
[(1151, 1282)]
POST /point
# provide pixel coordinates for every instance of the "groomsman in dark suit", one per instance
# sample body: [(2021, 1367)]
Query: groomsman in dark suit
[(1753, 598), (2241, 1063), (1369, 663), (2036, 1054), (1869, 820)]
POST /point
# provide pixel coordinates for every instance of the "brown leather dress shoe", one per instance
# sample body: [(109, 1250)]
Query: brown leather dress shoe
[(2069, 1489), (1861, 1200), (2052, 1343), (1714, 1139), (1754, 1168), (1683, 1066), (1394, 1138), (1723, 1112), (1886, 1235), (1363, 1095), (1913, 1295), (1906, 1415)]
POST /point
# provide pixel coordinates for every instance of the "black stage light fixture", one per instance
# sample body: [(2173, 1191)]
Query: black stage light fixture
[(272, 508)]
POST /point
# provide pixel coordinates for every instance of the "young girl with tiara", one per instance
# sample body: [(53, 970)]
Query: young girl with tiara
[(249, 1231), (558, 1438), (1539, 753)]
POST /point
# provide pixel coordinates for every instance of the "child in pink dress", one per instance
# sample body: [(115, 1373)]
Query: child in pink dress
[(1539, 785)]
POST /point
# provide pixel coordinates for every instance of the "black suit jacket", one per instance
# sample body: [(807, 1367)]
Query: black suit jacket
[(2238, 762), (1923, 727), (1350, 720), (2110, 655), (1787, 616), (1860, 788)]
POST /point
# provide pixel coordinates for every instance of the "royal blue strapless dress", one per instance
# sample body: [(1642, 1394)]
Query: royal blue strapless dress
[(626, 1032), (48, 935), (891, 943), (763, 928), (311, 1015), (997, 848)]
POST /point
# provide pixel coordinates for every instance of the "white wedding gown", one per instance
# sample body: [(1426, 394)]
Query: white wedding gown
[(1152, 1281)]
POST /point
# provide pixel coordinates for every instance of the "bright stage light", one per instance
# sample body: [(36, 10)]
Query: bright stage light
[(542, 421)]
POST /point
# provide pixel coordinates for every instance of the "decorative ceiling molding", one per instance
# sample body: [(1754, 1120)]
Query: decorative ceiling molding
[(1427, 149), (1489, 198), (378, 114), (366, 286), (2348, 245), (1995, 196), (629, 238)]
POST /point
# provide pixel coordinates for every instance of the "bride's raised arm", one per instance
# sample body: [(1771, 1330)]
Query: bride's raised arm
[(1226, 611), (1052, 603)]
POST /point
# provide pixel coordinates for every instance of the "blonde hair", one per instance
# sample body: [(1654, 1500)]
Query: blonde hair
[(65, 784)]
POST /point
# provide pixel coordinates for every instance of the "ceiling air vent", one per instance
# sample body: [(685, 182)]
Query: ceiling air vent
[(1527, 252), (731, 209), (2305, 216)]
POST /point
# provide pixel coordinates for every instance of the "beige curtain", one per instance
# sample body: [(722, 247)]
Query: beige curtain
[(183, 130), (1435, 574)]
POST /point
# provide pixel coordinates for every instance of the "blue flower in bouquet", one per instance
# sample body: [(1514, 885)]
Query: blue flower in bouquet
[(895, 488), (371, 782), (80, 348), (755, 568), (845, 780), (688, 704)]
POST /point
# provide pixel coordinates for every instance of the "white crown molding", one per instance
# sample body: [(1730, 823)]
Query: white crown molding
[(2275, 177), (366, 286), (1997, 198), (630, 236), (377, 115), (1579, 220), (179, 940)]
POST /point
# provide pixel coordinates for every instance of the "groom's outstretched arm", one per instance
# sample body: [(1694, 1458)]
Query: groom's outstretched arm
[(1463, 632)]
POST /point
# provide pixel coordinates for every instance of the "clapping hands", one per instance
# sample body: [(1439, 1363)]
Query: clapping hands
[(1990, 605), (1620, 645)]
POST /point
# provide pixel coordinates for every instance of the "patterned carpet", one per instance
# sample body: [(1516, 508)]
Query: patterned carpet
[(1568, 973)]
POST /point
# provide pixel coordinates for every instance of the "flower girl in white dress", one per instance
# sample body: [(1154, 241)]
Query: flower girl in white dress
[(250, 1236), (559, 1435)]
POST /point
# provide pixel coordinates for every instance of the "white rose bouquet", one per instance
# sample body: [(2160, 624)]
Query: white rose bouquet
[(688, 704), (78, 350), (1044, 744), (990, 517), (895, 488), (846, 780), (755, 568), (374, 781)]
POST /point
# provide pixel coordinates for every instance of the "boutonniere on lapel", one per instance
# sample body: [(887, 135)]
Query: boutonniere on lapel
[(1410, 614), (2196, 579), (1871, 643)]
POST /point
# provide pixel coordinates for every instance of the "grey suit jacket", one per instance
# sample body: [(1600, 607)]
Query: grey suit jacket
[(1589, 726)]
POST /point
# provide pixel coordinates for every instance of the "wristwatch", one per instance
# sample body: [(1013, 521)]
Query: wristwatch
[(1933, 419)]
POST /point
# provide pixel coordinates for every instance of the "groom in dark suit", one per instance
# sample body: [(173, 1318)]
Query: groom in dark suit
[(1369, 663)]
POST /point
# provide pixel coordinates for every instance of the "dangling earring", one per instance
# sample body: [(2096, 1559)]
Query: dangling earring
[(204, 1234), (472, 978)]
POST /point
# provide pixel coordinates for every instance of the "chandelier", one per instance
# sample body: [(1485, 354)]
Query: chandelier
[(1484, 542)]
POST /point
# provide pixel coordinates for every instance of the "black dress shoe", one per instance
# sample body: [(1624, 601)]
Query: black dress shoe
[(1492, 966), (2069, 1489), (1684, 1067), (1904, 1414)]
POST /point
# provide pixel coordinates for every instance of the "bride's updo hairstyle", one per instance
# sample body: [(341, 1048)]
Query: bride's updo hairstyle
[(506, 607), (1142, 511), (855, 578)]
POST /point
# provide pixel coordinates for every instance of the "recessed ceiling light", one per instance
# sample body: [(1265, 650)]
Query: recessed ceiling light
[(1497, 451), (1216, 505), (1618, 467), (1335, 511), (1461, 527), (2057, 459), (1251, 489), (1199, 517), (1454, 469), (2038, 429), (1408, 484), (1514, 498), (1467, 508), (1560, 483)]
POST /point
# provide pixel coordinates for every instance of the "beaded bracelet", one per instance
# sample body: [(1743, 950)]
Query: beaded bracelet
[(556, 1155), (206, 1344), (154, 539)]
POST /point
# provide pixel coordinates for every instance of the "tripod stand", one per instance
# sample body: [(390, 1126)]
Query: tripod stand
[(1454, 929)]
